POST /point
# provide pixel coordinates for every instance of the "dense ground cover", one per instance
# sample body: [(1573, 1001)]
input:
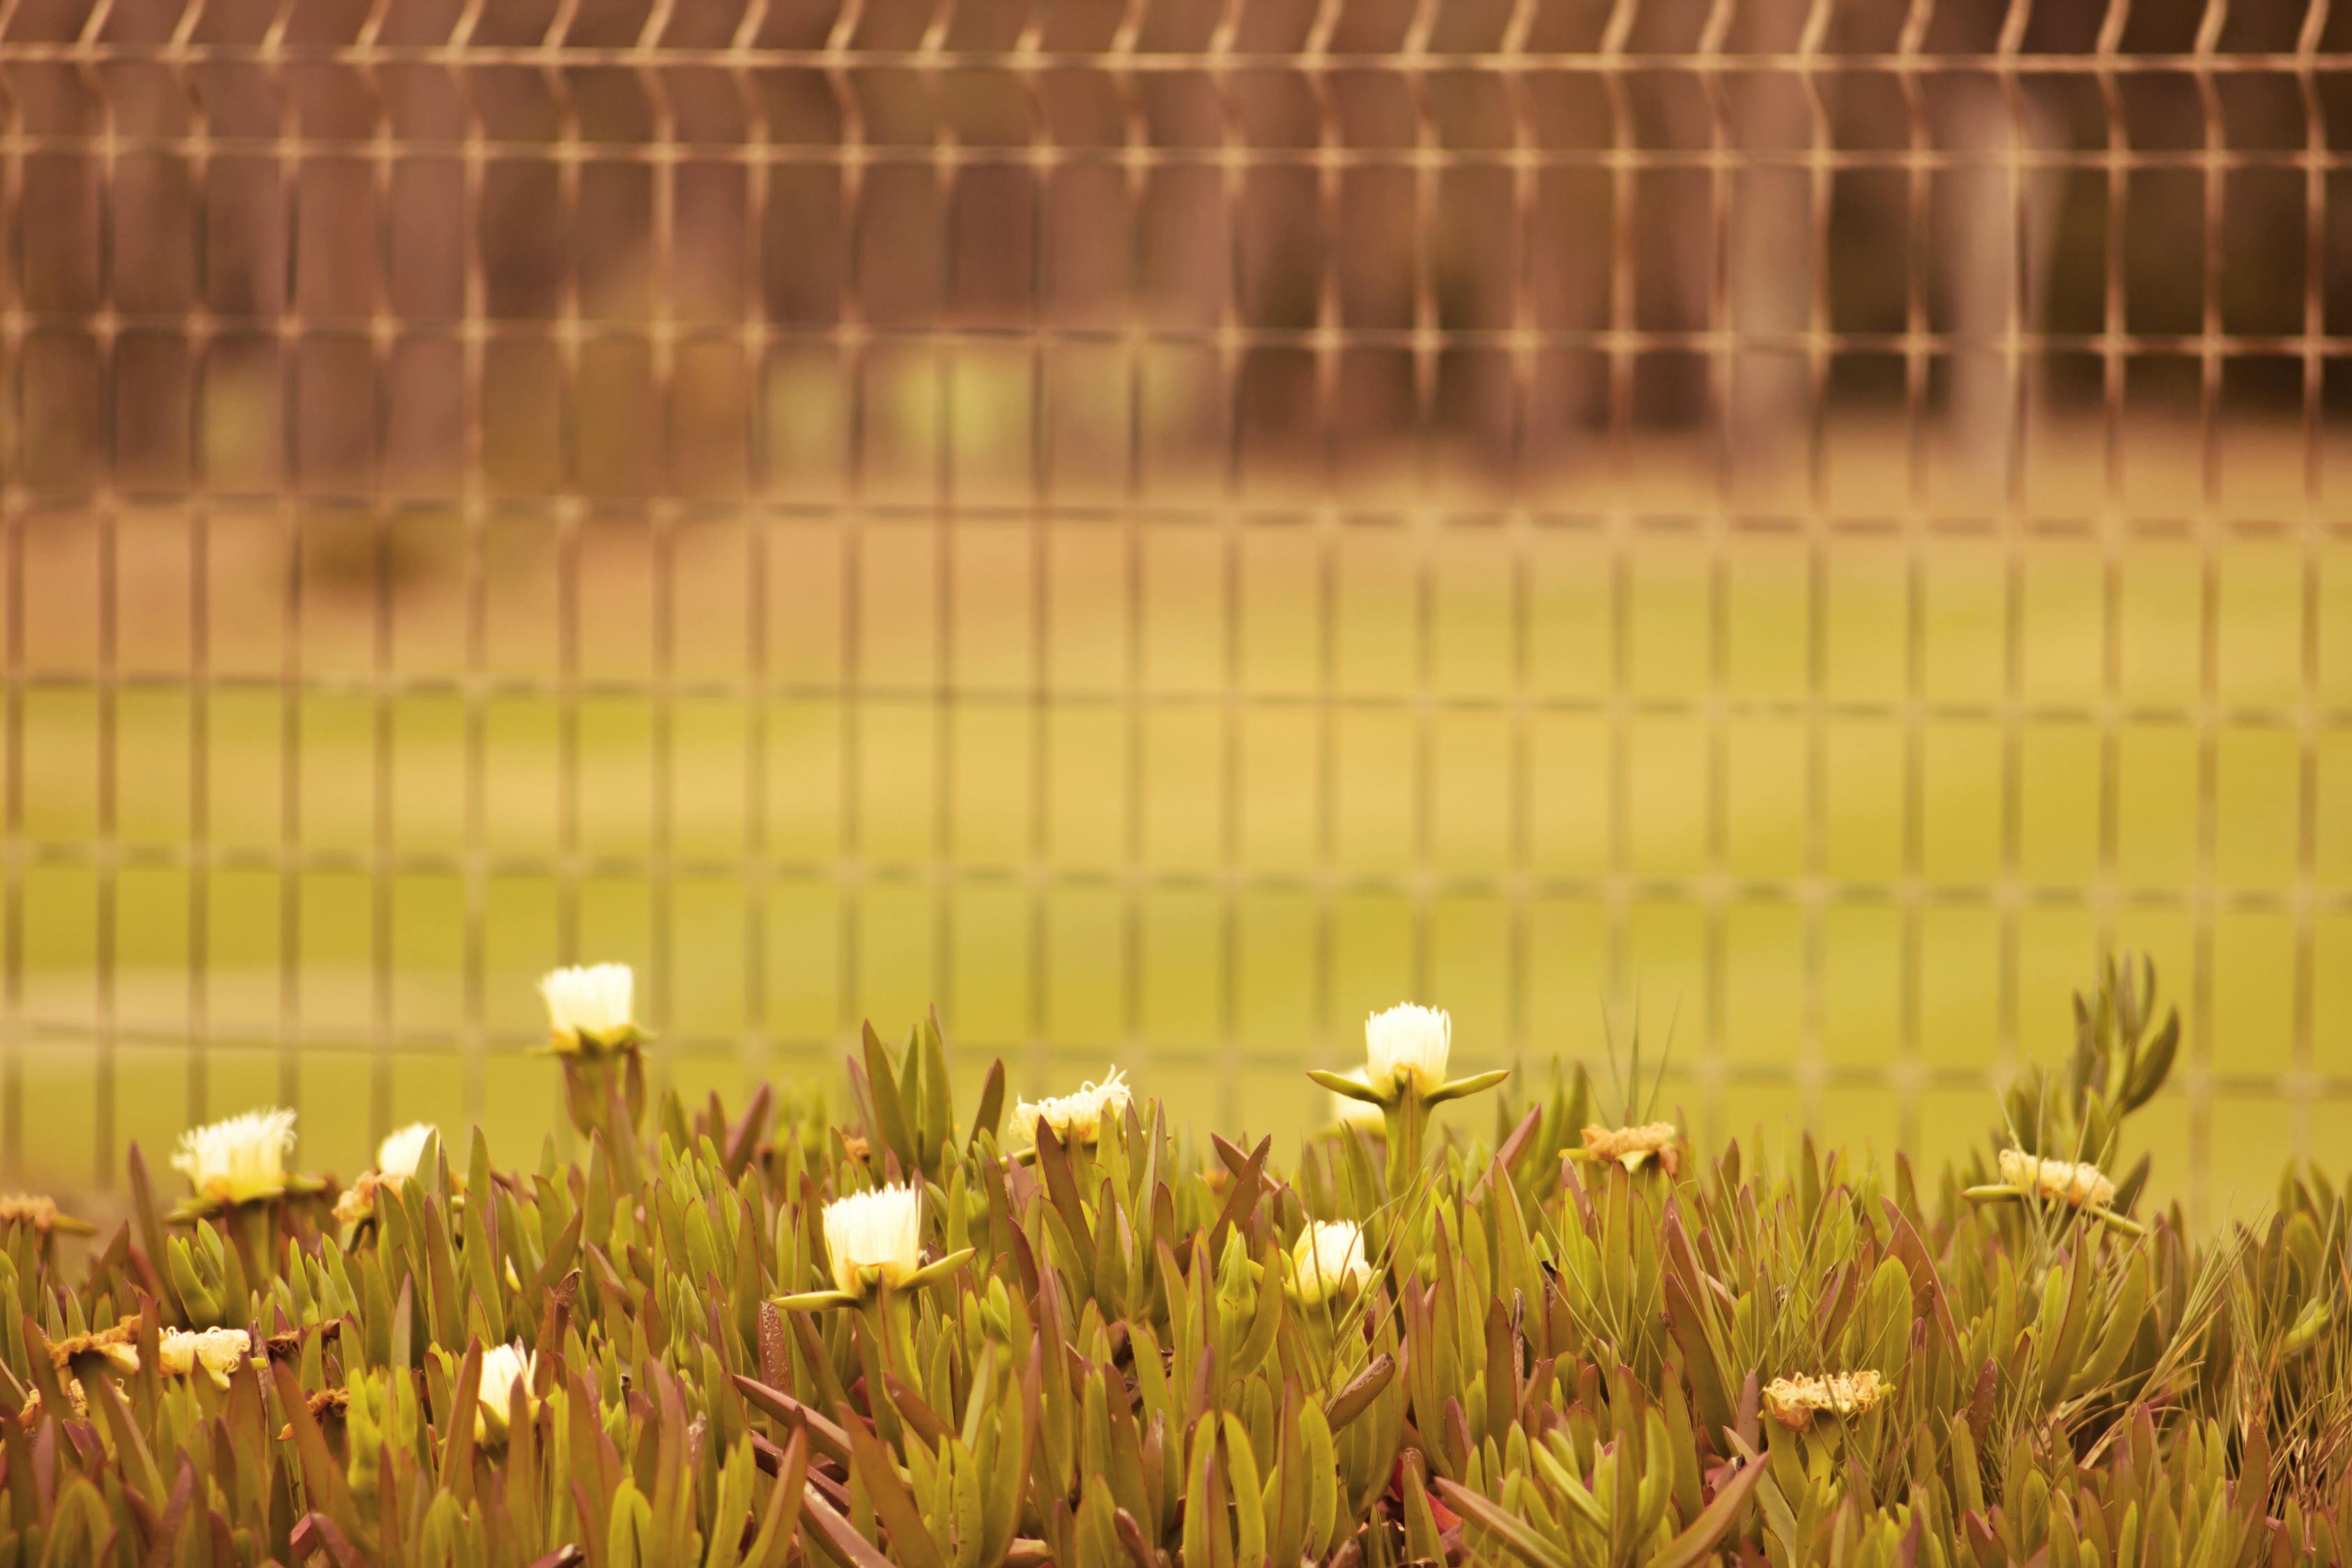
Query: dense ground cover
[(1472, 1321)]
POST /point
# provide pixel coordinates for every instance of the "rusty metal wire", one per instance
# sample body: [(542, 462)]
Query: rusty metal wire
[(313, 292)]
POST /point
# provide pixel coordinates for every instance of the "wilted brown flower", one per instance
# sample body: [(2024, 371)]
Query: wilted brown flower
[(119, 1345), (1793, 1401), (24, 1208), (1629, 1146), (2058, 1181)]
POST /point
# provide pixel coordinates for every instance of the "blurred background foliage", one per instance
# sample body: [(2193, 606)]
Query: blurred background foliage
[(1162, 531)]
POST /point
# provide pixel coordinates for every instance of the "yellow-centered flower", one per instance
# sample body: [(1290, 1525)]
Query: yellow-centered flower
[(878, 1232), (1795, 1401), (1407, 1046), (1076, 1118), (238, 1160), (588, 1007), (2058, 1181), (1329, 1259)]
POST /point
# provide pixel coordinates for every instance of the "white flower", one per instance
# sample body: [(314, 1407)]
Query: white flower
[(219, 1352), (880, 1230), (1349, 1112), (590, 1005), (240, 1159), (1407, 1046), (1329, 1257), (2059, 1181), (502, 1367), (1075, 1118), (398, 1153)]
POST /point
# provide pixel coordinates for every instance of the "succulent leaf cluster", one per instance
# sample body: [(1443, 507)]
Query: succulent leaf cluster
[(919, 1335)]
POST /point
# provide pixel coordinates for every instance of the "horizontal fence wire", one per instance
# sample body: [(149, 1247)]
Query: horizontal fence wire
[(1156, 527)]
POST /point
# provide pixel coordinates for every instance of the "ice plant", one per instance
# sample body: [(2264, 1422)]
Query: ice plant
[(503, 1366), (1353, 1111), (396, 1159), (28, 1224), (2077, 1184), (239, 1161), (117, 1346), (874, 1245), (1328, 1259), (1632, 1147), (397, 1156), (220, 1352), (591, 1025), (588, 1007), (874, 1238), (1793, 1401), (1196, 1357), (36, 1407), (1406, 1049), (1077, 1117)]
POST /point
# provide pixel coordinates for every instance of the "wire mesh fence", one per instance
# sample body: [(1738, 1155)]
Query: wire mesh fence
[(1161, 527)]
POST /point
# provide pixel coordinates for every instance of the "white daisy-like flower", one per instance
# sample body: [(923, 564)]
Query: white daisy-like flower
[(1328, 1259), (1407, 1046), (397, 1155), (2058, 1181), (220, 1352), (1349, 1112), (1077, 1118), (502, 1367), (878, 1231), (590, 1005), (238, 1160)]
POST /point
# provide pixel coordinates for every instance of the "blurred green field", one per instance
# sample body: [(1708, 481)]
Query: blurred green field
[(1129, 838)]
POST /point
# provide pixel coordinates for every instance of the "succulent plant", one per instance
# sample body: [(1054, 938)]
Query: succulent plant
[(1557, 1345)]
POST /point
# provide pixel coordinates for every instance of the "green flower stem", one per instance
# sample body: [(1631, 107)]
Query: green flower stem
[(602, 1091), (1408, 1125), (252, 1228), (889, 1350)]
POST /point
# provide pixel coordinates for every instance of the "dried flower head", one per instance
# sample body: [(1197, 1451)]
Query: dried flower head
[(1630, 1146), (326, 1404), (1076, 1118), (878, 1234), (1407, 1046), (589, 1007), (220, 1352), (118, 1343), (239, 1159), (34, 1411), (357, 1202), (1328, 1259), (2058, 1181), (1793, 1401), (22, 1209)]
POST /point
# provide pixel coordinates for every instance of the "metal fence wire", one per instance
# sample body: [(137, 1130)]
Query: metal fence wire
[(1160, 526)]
